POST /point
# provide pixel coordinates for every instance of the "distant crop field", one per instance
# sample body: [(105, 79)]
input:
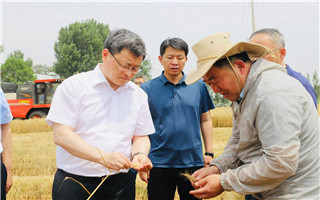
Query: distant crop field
[(221, 117)]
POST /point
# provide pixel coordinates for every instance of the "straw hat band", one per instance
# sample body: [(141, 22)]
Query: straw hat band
[(207, 58)]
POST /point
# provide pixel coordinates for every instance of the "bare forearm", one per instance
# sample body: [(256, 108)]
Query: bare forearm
[(207, 131), (6, 140), (140, 144), (66, 138)]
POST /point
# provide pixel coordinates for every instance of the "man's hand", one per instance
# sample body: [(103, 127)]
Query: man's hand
[(115, 161), (9, 181), (207, 187), (206, 171), (144, 176), (207, 160), (141, 163)]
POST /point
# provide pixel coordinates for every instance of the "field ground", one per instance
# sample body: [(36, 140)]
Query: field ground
[(34, 157), (34, 166)]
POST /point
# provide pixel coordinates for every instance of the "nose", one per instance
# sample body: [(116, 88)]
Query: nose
[(175, 60), (129, 73)]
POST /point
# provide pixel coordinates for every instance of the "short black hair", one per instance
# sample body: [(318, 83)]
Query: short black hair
[(176, 43), (224, 62)]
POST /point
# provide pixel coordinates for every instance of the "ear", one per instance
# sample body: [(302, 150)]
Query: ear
[(283, 53), (105, 53), (160, 59), (240, 66)]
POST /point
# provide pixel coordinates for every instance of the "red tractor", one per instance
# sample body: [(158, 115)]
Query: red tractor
[(31, 99)]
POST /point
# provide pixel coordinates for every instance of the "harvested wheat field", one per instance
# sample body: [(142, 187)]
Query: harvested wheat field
[(34, 158)]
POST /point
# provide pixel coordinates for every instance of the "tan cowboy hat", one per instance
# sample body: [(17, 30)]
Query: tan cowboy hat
[(216, 47)]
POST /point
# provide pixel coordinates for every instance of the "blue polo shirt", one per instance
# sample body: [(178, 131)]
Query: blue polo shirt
[(304, 81), (176, 111)]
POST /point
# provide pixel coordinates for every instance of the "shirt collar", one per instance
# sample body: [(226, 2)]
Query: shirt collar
[(165, 80), (100, 78), (240, 96)]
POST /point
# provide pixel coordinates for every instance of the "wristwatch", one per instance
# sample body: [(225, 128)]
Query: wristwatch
[(209, 154)]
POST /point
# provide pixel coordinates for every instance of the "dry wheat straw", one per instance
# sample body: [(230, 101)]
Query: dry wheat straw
[(188, 176)]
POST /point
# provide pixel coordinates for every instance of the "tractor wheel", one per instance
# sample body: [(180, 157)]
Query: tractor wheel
[(37, 114)]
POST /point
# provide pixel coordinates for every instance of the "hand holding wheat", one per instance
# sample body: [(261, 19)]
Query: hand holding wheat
[(141, 163), (114, 161)]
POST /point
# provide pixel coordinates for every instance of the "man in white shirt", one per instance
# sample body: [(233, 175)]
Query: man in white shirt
[(101, 122)]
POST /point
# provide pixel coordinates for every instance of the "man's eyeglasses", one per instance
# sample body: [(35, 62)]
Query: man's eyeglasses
[(127, 68)]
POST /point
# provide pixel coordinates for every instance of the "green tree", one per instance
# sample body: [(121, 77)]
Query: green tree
[(315, 83), (16, 70), (217, 99), (79, 47), (1, 49), (17, 54), (146, 67), (42, 69)]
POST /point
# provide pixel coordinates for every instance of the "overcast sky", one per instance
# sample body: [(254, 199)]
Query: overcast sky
[(33, 26)]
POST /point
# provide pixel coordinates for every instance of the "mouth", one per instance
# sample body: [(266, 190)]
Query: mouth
[(125, 79), (174, 68)]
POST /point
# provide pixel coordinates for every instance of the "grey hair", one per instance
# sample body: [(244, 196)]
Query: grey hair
[(124, 39), (276, 37)]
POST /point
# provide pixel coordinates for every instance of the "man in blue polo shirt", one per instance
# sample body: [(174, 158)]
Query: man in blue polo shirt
[(178, 112), (274, 40)]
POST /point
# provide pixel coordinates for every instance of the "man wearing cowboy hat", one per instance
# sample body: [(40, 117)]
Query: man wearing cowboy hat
[(273, 152)]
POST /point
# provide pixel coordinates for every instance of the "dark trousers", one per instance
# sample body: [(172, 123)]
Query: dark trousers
[(163, 182), (250, 197), (3, 181), (116, 187)]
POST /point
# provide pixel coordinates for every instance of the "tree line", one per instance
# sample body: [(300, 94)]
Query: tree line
[(78, 49)]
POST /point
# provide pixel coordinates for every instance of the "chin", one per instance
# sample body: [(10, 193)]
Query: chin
[(232, 98), (123, 82)]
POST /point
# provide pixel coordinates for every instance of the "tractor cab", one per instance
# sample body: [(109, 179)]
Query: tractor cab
[(41, 91)]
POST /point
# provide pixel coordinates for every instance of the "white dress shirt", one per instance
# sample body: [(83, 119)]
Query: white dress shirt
[(104, 118)]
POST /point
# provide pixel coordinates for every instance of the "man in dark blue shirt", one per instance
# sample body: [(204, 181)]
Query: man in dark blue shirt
[(178, 111), (274, 40)]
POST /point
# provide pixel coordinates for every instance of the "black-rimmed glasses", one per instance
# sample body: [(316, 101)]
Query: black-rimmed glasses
[(127, 68)]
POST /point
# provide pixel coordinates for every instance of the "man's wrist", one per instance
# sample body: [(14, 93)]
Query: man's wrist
[(209, 154), (137, 153)]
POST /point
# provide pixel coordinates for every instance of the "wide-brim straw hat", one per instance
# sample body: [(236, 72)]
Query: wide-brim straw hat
[(216, 47)]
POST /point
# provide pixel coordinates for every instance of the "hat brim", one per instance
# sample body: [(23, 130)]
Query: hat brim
[(203, 66)]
